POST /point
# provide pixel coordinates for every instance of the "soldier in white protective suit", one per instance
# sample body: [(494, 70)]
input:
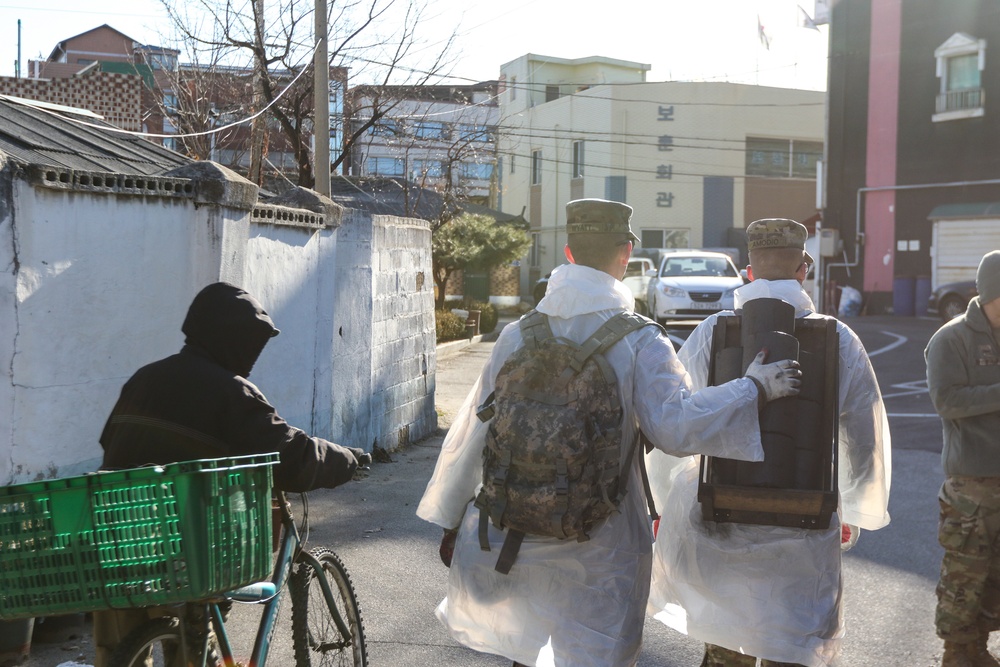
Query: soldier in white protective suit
[(751, 591), (569, 603)]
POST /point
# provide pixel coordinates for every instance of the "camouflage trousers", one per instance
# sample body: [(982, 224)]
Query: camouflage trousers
[(716, 656), (969, 530)]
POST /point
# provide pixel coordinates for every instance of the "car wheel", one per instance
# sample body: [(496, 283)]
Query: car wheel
[(951, 308), (640, 308)]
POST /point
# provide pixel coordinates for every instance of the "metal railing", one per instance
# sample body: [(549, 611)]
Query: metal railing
[(959, 100)]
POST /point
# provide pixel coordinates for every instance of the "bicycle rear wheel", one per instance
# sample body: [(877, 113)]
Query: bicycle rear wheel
[(156, 644), (318, 641)]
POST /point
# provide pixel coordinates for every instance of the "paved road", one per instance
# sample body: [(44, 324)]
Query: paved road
[(890, 574)]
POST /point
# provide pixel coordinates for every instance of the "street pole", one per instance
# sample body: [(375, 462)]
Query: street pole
[(321, 95), (257, 126)]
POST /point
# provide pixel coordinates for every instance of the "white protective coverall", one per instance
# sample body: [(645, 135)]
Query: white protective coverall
[(766, 591), (568, 603)]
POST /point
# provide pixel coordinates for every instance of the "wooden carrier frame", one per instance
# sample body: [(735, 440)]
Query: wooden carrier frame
[(811, 499)]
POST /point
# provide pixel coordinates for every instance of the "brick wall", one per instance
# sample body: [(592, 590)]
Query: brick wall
[(504, 281), (115, 97)]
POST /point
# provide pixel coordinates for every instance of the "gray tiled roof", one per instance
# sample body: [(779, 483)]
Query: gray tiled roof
[(49, 136)]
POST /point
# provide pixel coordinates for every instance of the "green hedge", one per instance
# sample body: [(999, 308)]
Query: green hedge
[(488, 316), (449, 326)]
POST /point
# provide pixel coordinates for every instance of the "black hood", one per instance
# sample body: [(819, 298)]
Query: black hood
[(230, 325)]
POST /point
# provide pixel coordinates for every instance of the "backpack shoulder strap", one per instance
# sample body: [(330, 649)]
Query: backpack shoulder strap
[(535, 328), (612, 331)]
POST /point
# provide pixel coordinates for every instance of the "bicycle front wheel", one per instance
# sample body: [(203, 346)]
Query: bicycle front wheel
[(318, 640)]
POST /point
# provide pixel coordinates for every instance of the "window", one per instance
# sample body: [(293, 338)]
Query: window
[(637, 267), (513, 88), (169, 128), (162, 61), (535, 253), (703, 267), (577, 159), (471, 133), (615, 188), (536, 167), (551, 93), (782, 158), (805, 155), (475, 170), (385, 166), (170, 102), (384, 128), (665, 238), (429, 130), (960, 63), (512, 163), (429, 168)]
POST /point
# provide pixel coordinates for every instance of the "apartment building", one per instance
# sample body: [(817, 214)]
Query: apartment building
[(696, 161), (439, 137)]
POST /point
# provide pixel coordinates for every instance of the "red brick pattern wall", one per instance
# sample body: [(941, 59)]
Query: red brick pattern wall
[(505, 281), (116, 97)]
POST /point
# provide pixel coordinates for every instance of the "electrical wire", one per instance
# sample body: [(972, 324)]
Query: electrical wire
[(214, 130)]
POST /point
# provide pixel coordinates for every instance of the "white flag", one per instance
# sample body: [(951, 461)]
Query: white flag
[(806, 21)]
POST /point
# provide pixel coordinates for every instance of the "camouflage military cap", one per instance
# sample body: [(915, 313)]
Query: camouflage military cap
[(777, 233), (599, 216)]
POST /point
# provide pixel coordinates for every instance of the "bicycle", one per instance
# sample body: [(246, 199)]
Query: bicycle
[(327, 627)]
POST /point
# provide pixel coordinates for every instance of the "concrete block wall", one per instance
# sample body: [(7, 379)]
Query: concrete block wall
[(114, 96), (403, 332)]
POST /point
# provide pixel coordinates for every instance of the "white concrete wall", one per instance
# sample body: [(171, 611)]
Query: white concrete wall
[(96, 284)]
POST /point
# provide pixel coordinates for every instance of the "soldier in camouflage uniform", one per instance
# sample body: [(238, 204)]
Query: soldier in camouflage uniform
[(963, 375)]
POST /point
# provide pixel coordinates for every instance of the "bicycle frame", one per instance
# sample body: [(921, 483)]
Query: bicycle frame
[(289, 551)]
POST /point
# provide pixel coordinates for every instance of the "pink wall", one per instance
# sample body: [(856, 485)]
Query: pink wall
[(883, 111)]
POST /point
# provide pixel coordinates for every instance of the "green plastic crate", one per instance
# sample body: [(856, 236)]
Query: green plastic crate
[(135, 538)]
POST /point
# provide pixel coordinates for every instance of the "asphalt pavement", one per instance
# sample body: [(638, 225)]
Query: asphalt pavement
[(392, 555)]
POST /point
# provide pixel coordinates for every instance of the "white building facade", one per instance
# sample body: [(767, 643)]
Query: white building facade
[(697, 161)]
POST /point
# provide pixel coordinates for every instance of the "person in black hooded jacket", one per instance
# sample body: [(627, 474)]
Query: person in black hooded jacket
[(198, 404)]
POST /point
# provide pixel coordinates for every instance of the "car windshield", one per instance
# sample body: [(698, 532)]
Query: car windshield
[(698, 266), (635, 269)]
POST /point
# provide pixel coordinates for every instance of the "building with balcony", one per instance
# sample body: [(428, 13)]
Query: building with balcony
[(913, 172)]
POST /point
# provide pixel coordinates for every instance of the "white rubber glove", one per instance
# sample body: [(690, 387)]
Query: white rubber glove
[(778, 379), (848, 536)]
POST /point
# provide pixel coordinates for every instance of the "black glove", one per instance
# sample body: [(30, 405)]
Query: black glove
[(447, 548), (363, 457)]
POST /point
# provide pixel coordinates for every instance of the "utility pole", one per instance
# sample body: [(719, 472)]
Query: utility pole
[(257, 127), (321, 96)]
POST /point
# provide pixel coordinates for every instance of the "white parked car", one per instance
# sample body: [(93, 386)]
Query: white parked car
[(637, 278), (691, 285)]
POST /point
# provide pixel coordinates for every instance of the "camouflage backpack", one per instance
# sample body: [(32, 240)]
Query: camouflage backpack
[(552, 461)]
